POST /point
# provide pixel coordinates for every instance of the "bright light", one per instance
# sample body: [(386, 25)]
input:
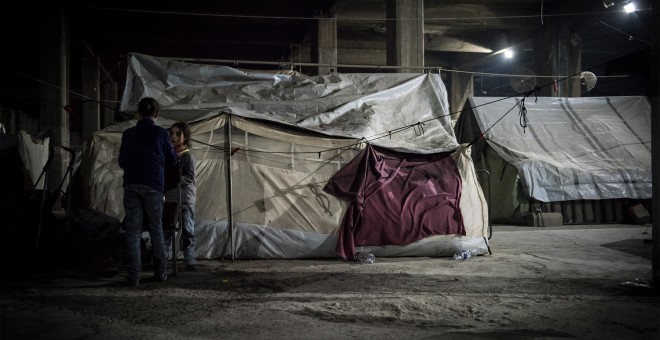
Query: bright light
[(508, 53), (629, 8)]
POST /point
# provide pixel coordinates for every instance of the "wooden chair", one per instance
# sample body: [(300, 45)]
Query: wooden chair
[(171, 224)]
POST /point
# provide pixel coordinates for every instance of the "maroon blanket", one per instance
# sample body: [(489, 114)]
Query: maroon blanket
[(396, 198)]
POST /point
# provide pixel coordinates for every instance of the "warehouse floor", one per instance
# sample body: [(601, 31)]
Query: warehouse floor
[(579, 281)]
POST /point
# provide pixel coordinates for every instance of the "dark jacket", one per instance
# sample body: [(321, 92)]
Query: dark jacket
[(144, 153)]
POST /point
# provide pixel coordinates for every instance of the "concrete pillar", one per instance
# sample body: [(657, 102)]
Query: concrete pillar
[(462, 88), (545, 60), (405, 34), (91, 115), (54, 66), (324, 50), (108, 97), (569, 63), (559, 57)]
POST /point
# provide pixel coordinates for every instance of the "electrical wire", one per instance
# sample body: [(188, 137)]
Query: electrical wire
[(630, 37), (276, 17)]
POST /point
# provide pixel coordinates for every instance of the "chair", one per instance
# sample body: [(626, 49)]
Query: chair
[(172, 209), (171, 224)]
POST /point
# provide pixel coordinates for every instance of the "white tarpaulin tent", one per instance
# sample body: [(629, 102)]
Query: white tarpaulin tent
[(266, 144), (596, 148)]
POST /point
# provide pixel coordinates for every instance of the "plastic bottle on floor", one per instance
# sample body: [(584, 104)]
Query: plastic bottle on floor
[(365, 258), (462, 255)]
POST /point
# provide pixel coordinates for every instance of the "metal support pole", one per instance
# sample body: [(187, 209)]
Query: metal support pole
[(655, 146), (490, 224), (293, 64), (42, 206), (230, 212), (179, 225)]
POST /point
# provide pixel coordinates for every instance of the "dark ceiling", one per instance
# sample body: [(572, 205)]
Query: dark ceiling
[(459, 34)]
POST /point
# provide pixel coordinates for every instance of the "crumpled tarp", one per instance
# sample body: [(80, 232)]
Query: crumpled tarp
[(358, 105), (572, 148)]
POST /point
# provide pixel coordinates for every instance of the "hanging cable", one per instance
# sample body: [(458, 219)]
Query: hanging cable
[(523, 115)]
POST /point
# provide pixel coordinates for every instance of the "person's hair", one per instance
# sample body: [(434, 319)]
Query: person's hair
[(185, 129), (148, 107)]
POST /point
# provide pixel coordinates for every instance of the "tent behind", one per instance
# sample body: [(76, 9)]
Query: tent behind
[(267, 144), (587, 158)]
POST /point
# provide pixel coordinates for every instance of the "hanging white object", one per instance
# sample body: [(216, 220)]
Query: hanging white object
[(588, 79), (523, 80), (34, 154)]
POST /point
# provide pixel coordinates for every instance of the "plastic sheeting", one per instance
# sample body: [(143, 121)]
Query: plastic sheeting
[(343, 105), (34, 154), (267, 195), (571, 148)]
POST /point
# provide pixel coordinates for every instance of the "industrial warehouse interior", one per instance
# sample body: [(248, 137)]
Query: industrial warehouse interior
[(397, 169)]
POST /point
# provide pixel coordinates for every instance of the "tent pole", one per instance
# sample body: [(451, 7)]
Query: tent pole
[(292, 64), (655, 148), (490, 224), (420, 69), (230, 212)]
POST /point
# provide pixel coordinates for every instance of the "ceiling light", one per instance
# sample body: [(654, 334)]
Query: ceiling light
[(629, 8), (508, 53)]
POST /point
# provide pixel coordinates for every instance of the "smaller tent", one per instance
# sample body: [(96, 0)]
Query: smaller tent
[(587, 158)]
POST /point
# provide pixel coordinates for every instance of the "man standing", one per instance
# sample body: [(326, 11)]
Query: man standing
[(144, 154)]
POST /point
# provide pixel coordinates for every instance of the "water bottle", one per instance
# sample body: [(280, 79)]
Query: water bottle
[(365, 258), (462, 255)]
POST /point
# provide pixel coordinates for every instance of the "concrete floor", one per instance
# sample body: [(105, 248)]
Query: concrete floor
[(578, 281)]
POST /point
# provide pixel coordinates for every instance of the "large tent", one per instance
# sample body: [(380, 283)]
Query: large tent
[(586, 158), (267, 144)]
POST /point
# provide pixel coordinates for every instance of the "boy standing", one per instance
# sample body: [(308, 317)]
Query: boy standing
[(144, 154)]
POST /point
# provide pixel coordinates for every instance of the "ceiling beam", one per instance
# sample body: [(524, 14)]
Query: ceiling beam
[(481, 15), (439, 43)]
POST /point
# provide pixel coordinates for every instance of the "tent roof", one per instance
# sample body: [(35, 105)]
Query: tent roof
[(572, 148), (403, 112)]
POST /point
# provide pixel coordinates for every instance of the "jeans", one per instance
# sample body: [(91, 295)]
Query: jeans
[(187, 235), (143, 205)]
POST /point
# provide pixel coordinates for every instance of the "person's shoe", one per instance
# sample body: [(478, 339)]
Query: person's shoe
[(161, 278), (155, 278), (191, 267), (130, 282)]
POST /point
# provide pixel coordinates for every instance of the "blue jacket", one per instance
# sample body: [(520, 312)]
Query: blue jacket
[(144, 153)]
